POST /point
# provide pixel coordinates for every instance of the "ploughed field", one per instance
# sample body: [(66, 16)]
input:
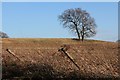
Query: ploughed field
[(38, 59)]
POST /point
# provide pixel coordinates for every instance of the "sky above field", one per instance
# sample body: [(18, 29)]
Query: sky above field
[(40, 19)]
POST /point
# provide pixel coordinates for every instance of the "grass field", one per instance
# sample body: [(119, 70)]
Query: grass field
[(40, 59)]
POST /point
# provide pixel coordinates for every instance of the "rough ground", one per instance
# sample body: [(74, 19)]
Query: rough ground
[(40, 59)]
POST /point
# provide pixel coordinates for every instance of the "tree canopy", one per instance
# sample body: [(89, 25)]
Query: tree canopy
[(78, 21), (3, 35)]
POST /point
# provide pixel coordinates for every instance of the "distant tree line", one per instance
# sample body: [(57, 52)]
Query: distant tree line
[(78, 21), (3, 35)]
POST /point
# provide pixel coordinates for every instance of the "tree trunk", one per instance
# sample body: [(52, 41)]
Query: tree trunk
[(77, 31), (83, 33), (83, 37)]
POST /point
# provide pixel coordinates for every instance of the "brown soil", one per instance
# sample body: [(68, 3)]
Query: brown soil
[(40, 59)]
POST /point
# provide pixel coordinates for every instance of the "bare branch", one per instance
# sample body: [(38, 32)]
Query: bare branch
[(79, 21)]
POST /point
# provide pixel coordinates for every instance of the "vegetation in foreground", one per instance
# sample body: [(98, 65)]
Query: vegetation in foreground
[(40, 59)]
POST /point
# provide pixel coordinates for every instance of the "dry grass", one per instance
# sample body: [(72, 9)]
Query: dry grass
[(41, 59)]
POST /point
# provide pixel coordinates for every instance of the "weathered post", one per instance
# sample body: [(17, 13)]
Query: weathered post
[(64, 49), (8, 50)]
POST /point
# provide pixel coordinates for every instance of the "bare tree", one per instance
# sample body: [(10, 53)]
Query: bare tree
[(3, 35), (78, 21)]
